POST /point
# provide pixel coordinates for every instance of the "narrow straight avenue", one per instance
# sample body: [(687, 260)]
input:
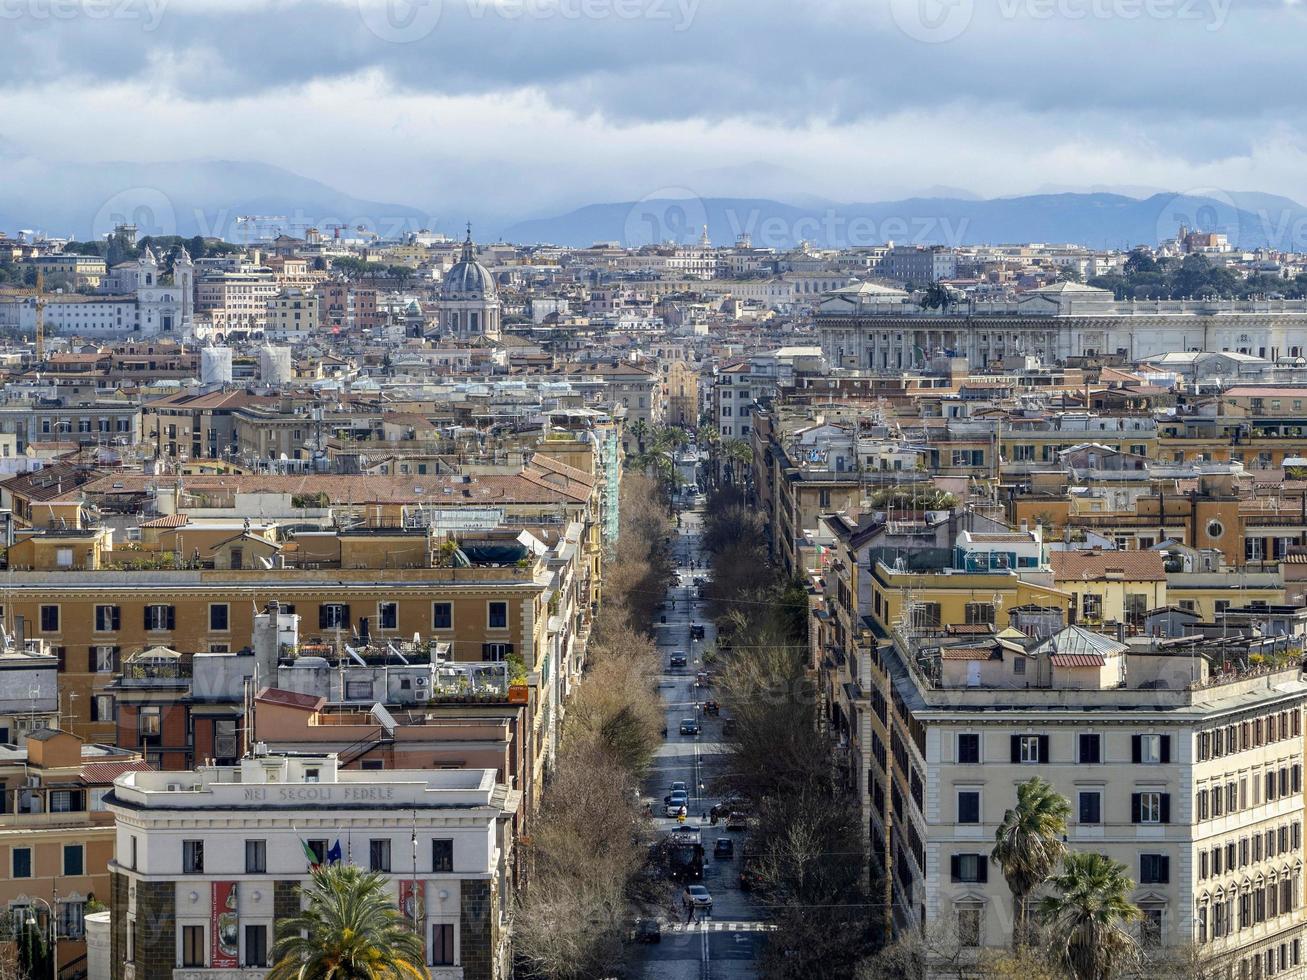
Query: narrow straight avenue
[(723, 944)]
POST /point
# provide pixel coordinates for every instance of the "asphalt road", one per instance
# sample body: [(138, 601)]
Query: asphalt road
[(724, 944)]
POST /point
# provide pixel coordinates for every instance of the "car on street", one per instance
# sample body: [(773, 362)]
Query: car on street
[(698, 896), (737, 821), (724, 849), (648, 930), (728, 726), (689, 726), (673, 802), (702, 679), (676, 660), (696, 631), (678, 787), (711, 707)]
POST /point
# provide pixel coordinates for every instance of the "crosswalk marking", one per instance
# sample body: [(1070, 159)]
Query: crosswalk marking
[(715, 925)]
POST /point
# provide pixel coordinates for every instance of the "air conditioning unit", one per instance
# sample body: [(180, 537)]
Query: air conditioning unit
[(174, 787), (419, 682)]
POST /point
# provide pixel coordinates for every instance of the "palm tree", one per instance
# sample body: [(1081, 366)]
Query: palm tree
[(350, 931), (1029, 844), (1087, 921), (739, 454), (640, 429)]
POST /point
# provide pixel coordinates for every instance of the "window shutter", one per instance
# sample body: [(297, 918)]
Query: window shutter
[(145, 617), (172, 617), (1136, 750), (1134, 807), (62, 654), (90, 660), (1164, 875), (322, 617), (955, 867), (1043, 748), (982, 869), (1166, 808), (344, 611), (115, 618), (1166, 748), (1016, 748)]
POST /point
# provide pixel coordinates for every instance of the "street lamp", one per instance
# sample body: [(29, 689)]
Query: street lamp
[(31, 920)]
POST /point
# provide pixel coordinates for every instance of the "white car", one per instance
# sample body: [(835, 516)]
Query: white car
[(698, 896)]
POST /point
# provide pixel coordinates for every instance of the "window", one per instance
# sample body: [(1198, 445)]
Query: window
[(193, 857), (970, 867), (149, 721), (379, 854), (160, 617), (1091, 606), (219, 617), (105, 659), (193, 946), (442, 944), (495, 652), (256, 945), (74, 861), (1154, 869), (49, 619), (1150, 926), (72, 919), (497, 615), (968, 806), (1150, 807), (102, 707), (1029, 748), (969, 749), (333, 616), (1150, 749), (969, 919), (388, 615), (442, 856), (256, 857), (358, 690), (108, 619), (442, 615), (979, 613), (1090, 748), (22, 862), (1019, 665), (318, 848), (1091, 806)]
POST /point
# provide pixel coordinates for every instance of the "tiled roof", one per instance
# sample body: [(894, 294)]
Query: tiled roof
[(291, 699), (171, 520), (1077, 660), (102, 773), (1133, 566), (971, 653)]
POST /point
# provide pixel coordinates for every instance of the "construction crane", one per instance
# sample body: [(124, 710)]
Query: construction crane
[(39, 295)]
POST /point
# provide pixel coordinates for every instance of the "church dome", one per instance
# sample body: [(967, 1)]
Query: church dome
[(468, 279)]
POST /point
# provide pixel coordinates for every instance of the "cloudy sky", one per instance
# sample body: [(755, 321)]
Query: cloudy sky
[(529, 107)]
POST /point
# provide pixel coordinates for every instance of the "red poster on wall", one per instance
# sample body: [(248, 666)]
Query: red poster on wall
[(413, 903), (224, 926)]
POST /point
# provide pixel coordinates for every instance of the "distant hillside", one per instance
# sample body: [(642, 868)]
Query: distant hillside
[(203, 197), (1098, 220)]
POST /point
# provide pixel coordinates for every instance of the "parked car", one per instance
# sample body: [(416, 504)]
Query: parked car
[(728, 726), (648, 931), (689, 726), (698, 896), (696, 631), (737, 821), (676, 660), (724, 849), (673, 802)]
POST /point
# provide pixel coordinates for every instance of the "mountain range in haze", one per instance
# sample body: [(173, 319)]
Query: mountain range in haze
[(240, 201)]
